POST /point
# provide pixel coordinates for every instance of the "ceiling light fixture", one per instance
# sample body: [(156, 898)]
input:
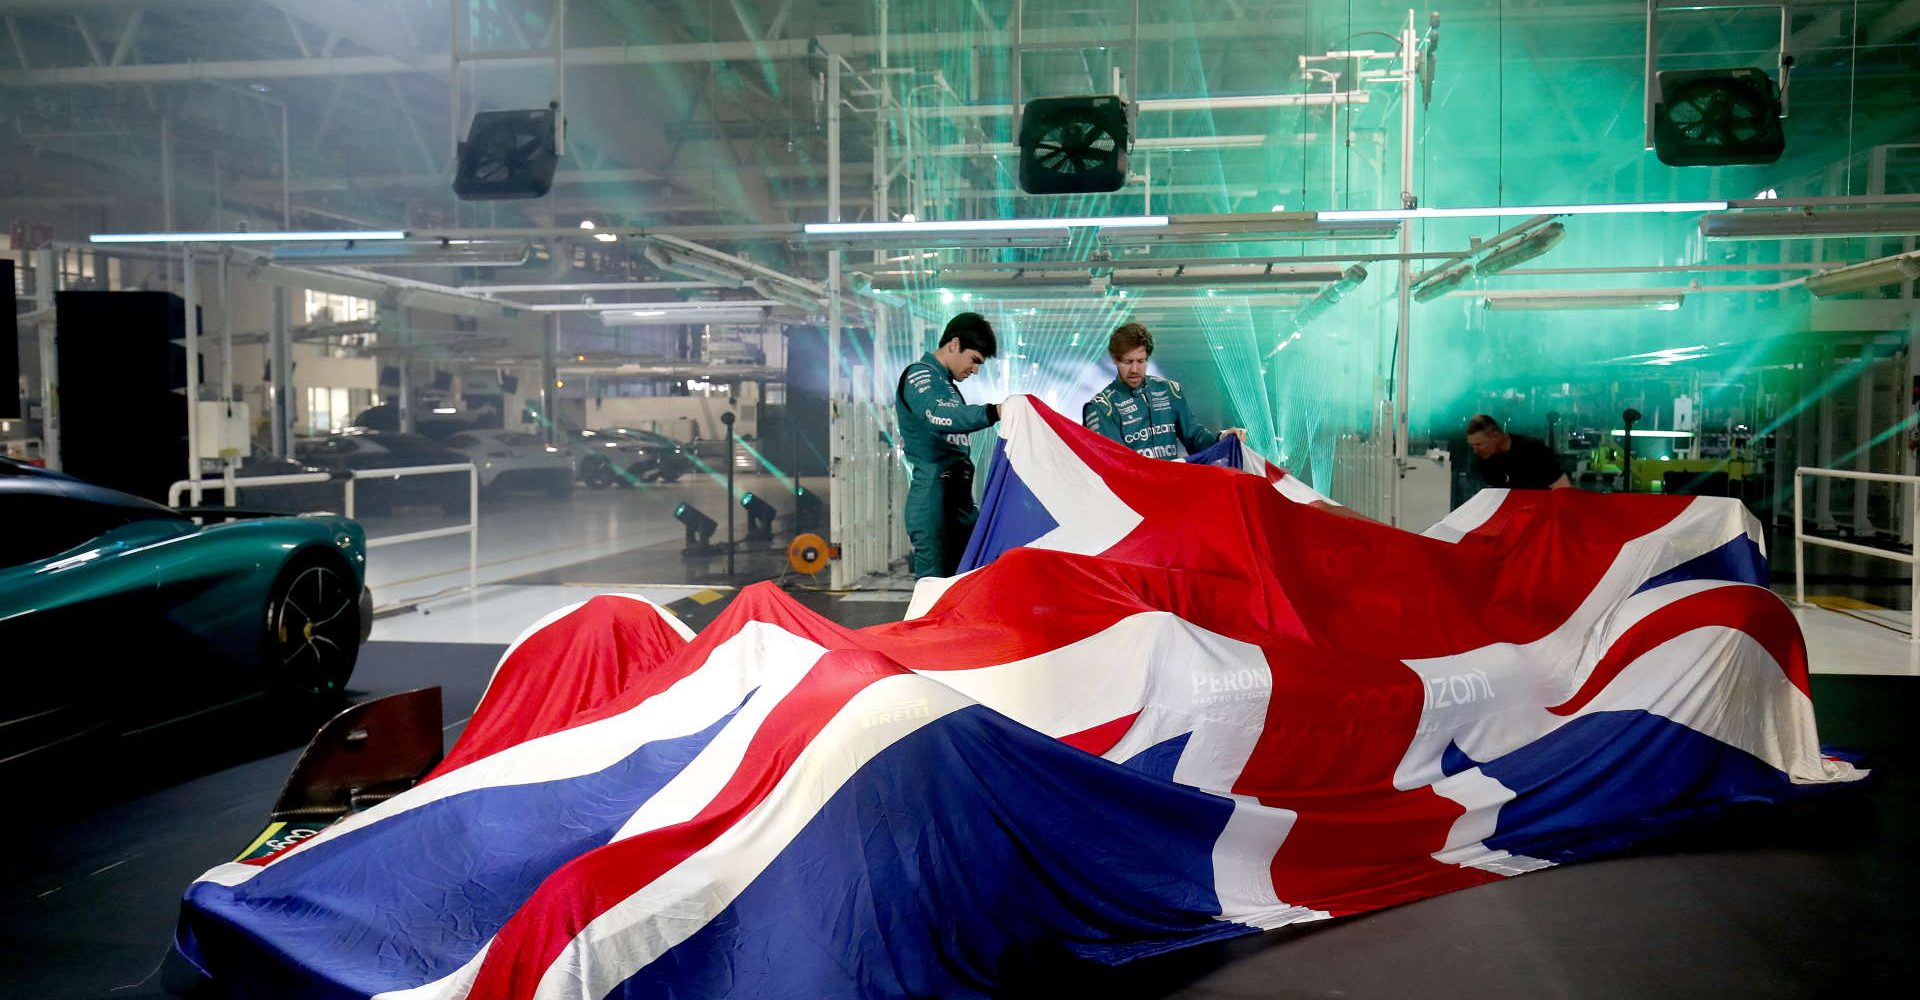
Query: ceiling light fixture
[(1543, 301), (787, 295), (1444, 282), (1223, 276), (1251, 226), (1621, 432), (947, 283), (1895, 270), (656, 317), (1805, 224), (676, 261), (981, 225), (1497, 211), (291, 237), (466, 253), (1052, 237), (1521, 250)]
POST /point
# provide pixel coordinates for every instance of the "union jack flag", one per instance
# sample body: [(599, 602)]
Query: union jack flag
[(1175, 703)]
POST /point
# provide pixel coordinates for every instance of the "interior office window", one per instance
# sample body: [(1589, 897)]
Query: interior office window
[(326, 410), (77, 269), (338, 308)]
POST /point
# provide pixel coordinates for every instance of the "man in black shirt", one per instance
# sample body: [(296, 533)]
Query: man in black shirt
[(1512, 460)]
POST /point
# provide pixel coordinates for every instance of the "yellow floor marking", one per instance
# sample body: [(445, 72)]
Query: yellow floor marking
[(1843, 603), (707, 597)]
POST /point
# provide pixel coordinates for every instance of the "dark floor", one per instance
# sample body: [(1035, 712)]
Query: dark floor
[(1813, 901)]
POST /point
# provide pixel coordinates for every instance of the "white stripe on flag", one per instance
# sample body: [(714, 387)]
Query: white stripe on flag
[(693, 703), (670, 909)]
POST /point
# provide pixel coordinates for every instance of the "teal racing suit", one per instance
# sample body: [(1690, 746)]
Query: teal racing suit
[(934, 424), (1153, 420)]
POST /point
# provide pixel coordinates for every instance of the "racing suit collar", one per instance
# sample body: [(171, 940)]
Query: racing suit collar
[(938, 365)]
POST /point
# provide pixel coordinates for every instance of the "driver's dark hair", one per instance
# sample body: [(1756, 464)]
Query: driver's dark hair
[(1483, 423), (973, 331)]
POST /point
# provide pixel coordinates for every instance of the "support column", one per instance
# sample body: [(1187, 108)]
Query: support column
[(549, 347), (1403, 340), (280, 375), (1863, 457), (1823, 494), (190, 288), (226, 331), (1906, 405), (403, 418), (46, 276), (839, 493)]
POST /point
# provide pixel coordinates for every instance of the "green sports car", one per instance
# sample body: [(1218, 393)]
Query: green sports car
[(119, 615)]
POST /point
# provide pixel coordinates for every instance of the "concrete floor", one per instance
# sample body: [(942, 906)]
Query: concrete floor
[(526, 533)]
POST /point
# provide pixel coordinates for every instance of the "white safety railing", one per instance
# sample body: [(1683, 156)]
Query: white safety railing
[(471, 528), (1801, 539), (230, 483)]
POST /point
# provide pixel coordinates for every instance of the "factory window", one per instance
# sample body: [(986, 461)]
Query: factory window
[(324, 308), (81, 270), (326, 409)]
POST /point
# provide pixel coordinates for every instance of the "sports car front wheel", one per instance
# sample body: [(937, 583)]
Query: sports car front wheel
[(313, 629)]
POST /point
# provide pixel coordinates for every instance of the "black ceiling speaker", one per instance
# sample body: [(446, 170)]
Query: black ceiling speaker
[(1075, 145), (1717, 117), (508, 154)]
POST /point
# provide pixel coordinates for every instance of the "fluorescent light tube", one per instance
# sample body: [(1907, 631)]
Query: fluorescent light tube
[(1056, 236), (1494, 211), (297, 237), (980, 225), (1250, 226), (1620, 433)]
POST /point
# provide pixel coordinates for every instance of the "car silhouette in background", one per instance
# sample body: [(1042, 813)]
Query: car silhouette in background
[(119, 615)]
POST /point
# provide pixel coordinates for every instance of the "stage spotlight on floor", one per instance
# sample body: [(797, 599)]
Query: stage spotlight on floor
[(809, 512), (760, 515), (699, 527)]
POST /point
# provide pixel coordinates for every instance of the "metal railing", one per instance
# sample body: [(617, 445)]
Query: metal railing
[(230, 484), (1801, 540)]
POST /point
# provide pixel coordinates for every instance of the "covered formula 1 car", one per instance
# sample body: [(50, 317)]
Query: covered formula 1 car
[(1185, 703), (117, 613)]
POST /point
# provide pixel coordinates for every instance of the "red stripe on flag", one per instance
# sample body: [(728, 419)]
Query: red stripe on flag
[(1755, 611), (1102, 737), (586, 887), (601, 651)]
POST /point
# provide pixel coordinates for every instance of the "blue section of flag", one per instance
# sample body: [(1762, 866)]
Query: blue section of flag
[(1738, 561), (1159, 760), (1454, 760), (1605, 781), (973, 812), (1010, 515), (348, 914), (1225, 452)]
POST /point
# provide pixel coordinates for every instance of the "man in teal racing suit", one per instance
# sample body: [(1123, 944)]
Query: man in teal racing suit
[(1145, 412), (934, 424)]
